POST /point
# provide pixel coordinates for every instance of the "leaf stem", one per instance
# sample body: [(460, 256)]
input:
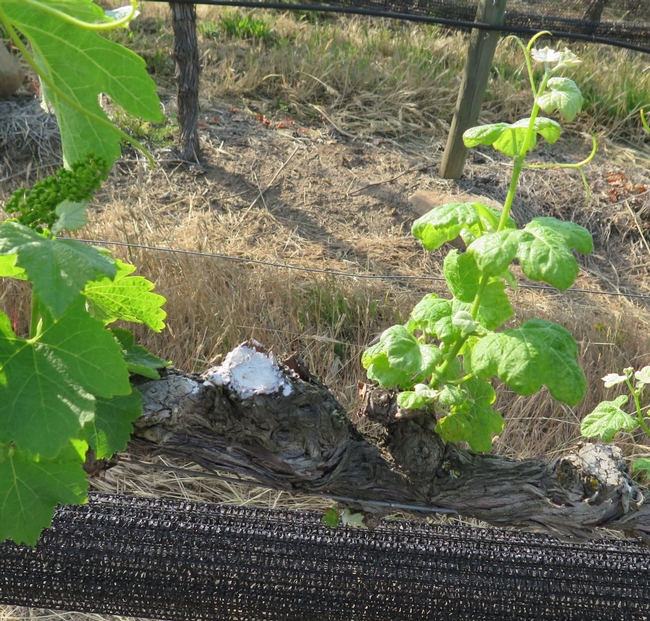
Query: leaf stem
[(637, 402), (580, 164), (6, 22), (518, 165), (78, 22), (36, 316), (476, 304), (453, 352)]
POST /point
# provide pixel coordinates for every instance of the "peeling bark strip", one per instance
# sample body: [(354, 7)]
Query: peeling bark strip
[(186, 57), (304, 442)]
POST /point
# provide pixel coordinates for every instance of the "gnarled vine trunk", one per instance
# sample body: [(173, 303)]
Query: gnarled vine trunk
[(304, 442)]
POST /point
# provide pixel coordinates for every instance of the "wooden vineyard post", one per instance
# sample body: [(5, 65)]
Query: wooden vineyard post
[(470, 97), (186, 57)]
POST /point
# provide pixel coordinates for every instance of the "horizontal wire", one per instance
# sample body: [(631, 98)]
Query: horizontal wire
[(218, 477), (226, 257)]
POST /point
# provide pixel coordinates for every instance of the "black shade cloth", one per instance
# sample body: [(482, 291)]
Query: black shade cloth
[(624, 23), (176, 560)]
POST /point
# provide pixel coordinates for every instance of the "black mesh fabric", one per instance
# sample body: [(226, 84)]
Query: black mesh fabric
[(618, 22), (178, 560)]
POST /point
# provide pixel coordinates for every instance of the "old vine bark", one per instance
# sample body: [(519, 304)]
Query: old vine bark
[(306, 443)]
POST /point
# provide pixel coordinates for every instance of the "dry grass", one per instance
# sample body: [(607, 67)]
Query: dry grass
[(380, 77)]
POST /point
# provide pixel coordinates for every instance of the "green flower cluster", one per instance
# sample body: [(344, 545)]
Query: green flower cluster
[(36, 208)]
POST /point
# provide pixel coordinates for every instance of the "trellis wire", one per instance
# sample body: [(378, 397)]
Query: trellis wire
[(314, 270)]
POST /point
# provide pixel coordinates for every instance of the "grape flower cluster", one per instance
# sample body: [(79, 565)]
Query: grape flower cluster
[(36, 208)]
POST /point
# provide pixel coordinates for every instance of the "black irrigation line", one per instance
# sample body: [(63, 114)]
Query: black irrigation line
[(452, 23), (314, 270)]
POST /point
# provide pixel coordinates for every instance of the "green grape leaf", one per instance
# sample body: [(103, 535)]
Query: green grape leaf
[(9, 269), (138, 359), (410, 400), (72, 216), (452, 395), (435, 317), (84, 64), (545, 250), (427, 312), (494, 252), (406, 353), (331, 517), (495, 308), (446, 331), (353, 520), (380, 370), (399, 359), (536, 354), (141, 362), (607, 420), (31, 488), (511, 279), (47, 383), (88, 351), (445, 223), (126, 297), (125, 338), (483, 134), (564, 96), (402, 349), (641, 465), (463, 277), (476, 426), (574, 235), (549, 129), (368, 356), (543, 247), (509, 139), (111, 429), (43, 408), (475, 422), (58, 269)]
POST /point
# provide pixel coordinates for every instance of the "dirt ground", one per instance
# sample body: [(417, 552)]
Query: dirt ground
[(344, 199)]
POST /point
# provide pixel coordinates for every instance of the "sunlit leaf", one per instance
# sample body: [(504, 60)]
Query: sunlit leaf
[(564, 96), (607, 419), (32, 487), (83, 64), (539, 353)]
